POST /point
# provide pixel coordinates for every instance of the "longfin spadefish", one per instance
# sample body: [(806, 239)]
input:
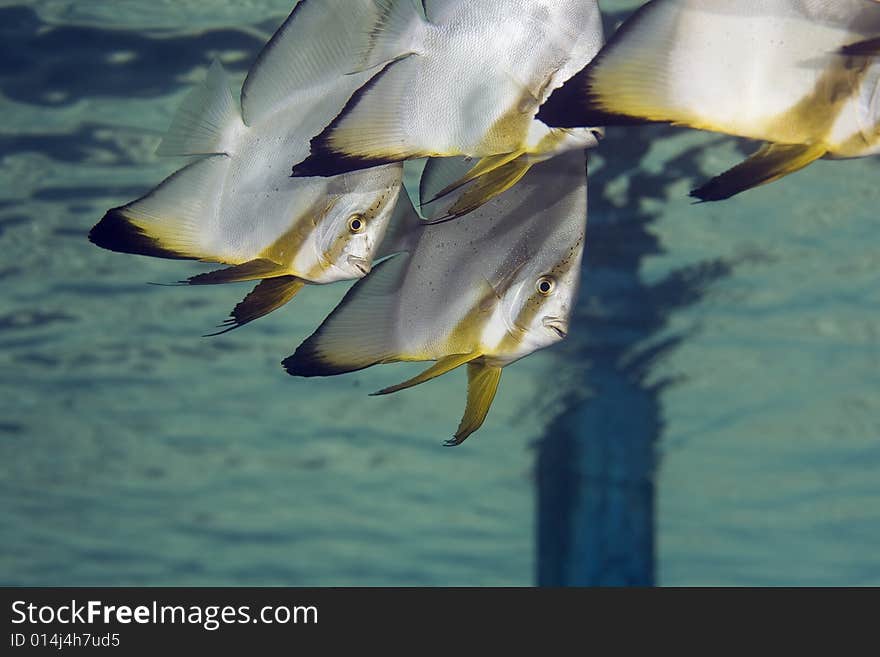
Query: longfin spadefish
[(207, 121), (866, 48), (170, 221), (396, 33), (483, 382), (252, 270), (442, 366), (771, 162), (267, 296), (360, 330)]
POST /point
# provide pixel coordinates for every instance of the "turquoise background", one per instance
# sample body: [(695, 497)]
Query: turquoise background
[(730, 351)]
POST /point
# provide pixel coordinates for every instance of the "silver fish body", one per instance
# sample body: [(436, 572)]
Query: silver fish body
[(466, 81), (483, 291), (238, 205), (801, 75)]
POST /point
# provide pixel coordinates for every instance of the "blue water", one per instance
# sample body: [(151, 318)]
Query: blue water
[(714, 417)]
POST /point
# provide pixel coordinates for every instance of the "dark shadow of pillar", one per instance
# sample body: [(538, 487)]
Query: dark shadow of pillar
[(595, 468)]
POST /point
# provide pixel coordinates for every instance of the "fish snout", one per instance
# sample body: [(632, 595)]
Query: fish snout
[(557, 325), (360, 264)]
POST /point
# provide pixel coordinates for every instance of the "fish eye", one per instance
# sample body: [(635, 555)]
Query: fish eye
[(356, 223), (545, 286)]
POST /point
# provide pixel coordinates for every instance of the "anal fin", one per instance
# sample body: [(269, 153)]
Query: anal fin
[(253, 270), (488, 186), (269, 295), (484, 166), (769, 163), (442, 366), (483, 382)]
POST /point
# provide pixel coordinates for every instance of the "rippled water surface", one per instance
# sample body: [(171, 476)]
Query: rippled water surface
[(734, 348)]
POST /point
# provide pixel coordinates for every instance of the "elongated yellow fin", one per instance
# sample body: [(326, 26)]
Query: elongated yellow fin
[(253, 270), (267, 296), (488, 186), (482, 385), (442, 366), (771, 162), (481, 168), (866, 48)]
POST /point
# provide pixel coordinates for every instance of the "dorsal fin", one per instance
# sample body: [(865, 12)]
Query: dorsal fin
[(295, 66)]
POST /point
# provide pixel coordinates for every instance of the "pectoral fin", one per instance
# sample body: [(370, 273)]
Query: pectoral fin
[(442, 366), (267, 296), (771, 162), (253, 270), (482, 385), (867, 48)]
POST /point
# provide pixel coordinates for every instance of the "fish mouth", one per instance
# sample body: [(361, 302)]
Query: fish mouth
[(360, 264), (558, 326)]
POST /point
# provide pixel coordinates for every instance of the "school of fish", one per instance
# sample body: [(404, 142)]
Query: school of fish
[(299, 180)]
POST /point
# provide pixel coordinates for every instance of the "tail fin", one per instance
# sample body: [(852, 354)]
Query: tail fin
[(360, 332), (396, 33), (288, 71), (266, 297), (207, 121), (169, 221)]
